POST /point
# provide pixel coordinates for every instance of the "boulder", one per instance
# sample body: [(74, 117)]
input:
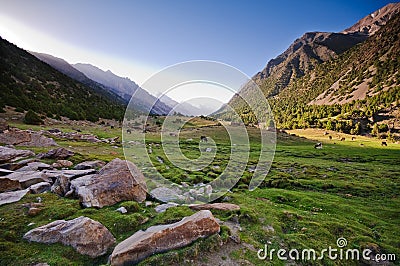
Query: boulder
[(62, 163), (59, 153), (61, 185), (26, 138), (34, 166), (85, 235), (161, 238), (8, 154), (71, 174), (166, 194), (4, 172), (117, 181), (165, 206), (77, 183), (13, 196), (29, 178), (3, 125), (40, 187), (215, 206), (7, 184), (89, 165), (17, 165)]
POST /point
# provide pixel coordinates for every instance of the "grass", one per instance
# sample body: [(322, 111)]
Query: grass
[(310, 198)]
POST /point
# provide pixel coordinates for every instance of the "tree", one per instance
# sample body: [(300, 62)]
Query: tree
[(32, 118)]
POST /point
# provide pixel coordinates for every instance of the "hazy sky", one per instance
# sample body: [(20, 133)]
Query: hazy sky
[(138, 38)]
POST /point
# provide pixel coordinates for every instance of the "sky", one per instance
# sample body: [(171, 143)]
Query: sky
[(136, 39)]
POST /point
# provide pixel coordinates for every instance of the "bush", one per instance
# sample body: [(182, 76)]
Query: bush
[(32, 118)]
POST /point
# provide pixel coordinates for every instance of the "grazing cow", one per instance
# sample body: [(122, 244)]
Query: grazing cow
[(342, 139), (203, 139), (129, 131), (326, 133), (361, 144), (353, 138), (112, 127), (384, 143), (330, 137), (318, 145)]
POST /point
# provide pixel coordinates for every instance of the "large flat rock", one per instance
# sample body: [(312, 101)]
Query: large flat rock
[(28, 178), (13, 196), (8, 154), (114, 183), (162, 238), (85, 235)]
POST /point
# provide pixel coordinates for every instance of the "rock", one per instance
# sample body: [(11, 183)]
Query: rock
[(13, 196), (59, 153), (34, 166), (61, 185), (17, 165), (164, 207), (85, 235), (148, 203), (71, 174), (89, 165), (122, 210), (26, 138), (161, 238), (166, 194), (7, 184), (62, 163), (216, 206), (40, 187), (3, 125), (8, 154), (114, 183), (77, 183), (34, 211), (4, 172), (37, 140), (29, 178)]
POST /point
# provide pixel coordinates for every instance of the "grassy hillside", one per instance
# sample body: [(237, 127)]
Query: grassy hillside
[(28, 83), (309, 199)]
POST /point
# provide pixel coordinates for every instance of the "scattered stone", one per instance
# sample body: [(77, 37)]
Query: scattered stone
[(8, 154), (4, 172), (148, 203), (161, 238), (29, 178), (30, 224), (89, 165), (61, 185), (117, 181), (268, 228), (13, 196), (59, 153), (160, 160), (163, 207), (209, 190), (216, 206), (167, 194), (34, 211), (85, 235), (122, 210), (7, 184), (17, 165), (208, 150), (40, 187), (35, 166), (62, 164)]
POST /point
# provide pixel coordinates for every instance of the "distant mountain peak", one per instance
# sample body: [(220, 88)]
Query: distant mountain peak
[(374, 21)]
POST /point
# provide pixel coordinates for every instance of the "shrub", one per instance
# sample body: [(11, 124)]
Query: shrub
[(32, 118)]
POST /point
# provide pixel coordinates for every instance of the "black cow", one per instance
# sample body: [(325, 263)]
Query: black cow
[(129, 131), (318, 145), (384, 143), (203, 139)]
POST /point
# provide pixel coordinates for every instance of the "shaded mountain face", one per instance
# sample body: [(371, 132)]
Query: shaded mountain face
[(125, 88), (29, 83)]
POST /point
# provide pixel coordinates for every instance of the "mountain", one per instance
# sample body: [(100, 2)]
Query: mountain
[(28, 83), (348, 90), (125, 88)]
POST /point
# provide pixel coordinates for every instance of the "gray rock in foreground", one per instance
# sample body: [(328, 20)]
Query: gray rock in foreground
[(113, 183), (7, 154), (85, 235), (162, 238), (13, 196)]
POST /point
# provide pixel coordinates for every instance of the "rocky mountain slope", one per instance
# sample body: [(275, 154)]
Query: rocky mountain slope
[(348, 84), (125, 88), (28, 83)]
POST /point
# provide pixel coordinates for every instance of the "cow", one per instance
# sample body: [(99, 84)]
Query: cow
[(353, 138), (129, 131), (318, 145), (203, 139), (384, 143), (342, 139), (326, 133), (330, 137)]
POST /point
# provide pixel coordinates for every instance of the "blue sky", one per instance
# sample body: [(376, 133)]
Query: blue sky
[(138, 38)]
